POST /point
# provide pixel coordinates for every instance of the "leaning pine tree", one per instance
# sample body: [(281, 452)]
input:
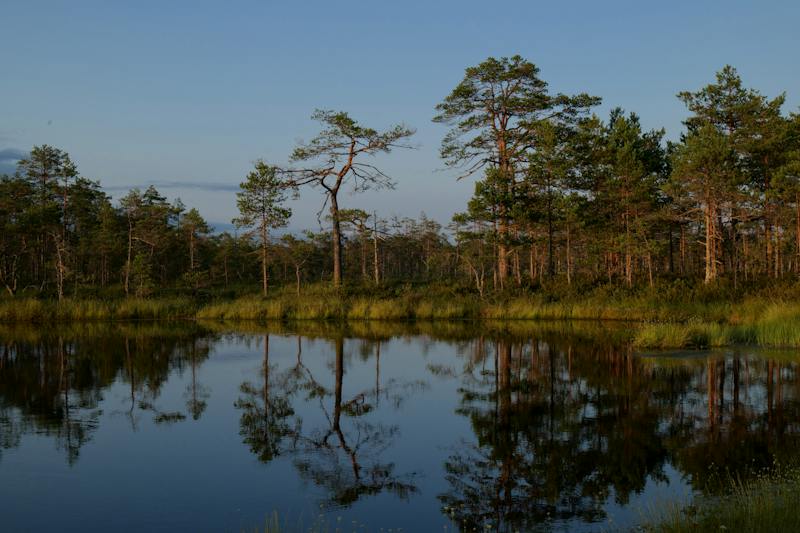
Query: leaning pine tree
[(335, 157), (260, 202)]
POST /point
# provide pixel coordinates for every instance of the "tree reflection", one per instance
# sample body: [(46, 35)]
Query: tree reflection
[(52, 381), (560, 423), (197, 394), (559, 428), (344, 454), (264, 420)]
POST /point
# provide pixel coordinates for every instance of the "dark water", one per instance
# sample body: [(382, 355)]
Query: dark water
[(155, 427)]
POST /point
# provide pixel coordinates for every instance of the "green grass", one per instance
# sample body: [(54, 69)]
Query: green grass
[(766, 504), (754, 322), (666, 317), (69, 310)]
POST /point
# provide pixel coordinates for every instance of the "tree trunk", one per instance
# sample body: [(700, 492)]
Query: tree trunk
[(266, 375), (768, 247), (363, 238), (337, 241), (191, 250), (551, 266), (671, 250), (128, 262), (532, 263), (375, 249), (797, 233), (569, 258), (264, 259), (60, 266), (778, 266), (683, 249), (502, 260), (339, 371), (711, 249), (628, 254)]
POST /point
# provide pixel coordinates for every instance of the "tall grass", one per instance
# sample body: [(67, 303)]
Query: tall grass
[(759, 322), (32, 310), (676, 317), (765, 504)]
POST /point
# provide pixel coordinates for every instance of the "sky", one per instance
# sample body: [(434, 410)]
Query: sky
[(186, 95)]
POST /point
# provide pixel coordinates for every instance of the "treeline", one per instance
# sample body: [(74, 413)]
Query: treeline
[(61, 235), (561, 194)]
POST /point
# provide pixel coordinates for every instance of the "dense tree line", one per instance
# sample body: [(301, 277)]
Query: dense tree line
[(561, 194)]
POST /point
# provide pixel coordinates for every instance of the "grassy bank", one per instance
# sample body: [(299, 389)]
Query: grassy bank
[(765, 504), (673, 316), (761, 323), (20, 310)]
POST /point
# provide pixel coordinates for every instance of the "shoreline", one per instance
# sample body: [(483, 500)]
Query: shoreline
[(753, 321)]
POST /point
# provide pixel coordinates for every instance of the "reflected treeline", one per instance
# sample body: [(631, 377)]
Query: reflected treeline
[(564, 417), (342, 449), (436, 330), (561, 426), (53, 379)]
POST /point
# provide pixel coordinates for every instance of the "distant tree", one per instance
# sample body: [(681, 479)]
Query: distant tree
[(51, 172), (151, 222), (336, 152), (260, 202), (195, 229), (358, 219), (106, 242), (627, 186), (16, 228), (298, 252)]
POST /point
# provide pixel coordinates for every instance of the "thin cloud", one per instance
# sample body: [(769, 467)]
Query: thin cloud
[(9, 158), (185, 185)]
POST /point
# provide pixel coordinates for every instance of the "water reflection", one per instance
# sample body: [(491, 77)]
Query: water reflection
[(562, 422), (343, 453)]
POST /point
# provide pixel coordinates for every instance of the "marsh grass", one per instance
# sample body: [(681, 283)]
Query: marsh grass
[(668, 318), (763, 323), (767, 503), (33, 310)]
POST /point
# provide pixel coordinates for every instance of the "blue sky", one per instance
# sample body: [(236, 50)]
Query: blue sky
[(187, 94)]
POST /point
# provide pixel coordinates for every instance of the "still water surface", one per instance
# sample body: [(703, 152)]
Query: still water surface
[(413, 427)]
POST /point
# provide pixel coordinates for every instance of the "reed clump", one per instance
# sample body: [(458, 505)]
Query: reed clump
[(758, 322)]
